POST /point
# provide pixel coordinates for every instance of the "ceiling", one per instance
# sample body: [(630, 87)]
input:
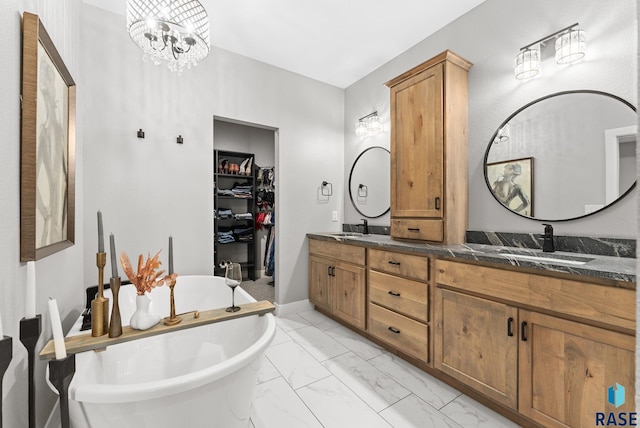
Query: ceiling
[(333, 41)]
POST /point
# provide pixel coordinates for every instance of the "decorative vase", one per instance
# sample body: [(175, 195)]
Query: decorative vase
[(141, 318)]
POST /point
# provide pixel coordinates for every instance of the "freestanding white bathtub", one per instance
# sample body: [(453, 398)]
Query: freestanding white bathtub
[(198, 377)]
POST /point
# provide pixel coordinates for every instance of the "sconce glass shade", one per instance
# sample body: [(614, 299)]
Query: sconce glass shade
[(570, 47), (369, 125), (374, 125), (527, 64), (175, 31), (504, 134), (361, 128)]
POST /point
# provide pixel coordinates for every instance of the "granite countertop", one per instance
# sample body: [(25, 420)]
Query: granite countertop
[(620, 269)]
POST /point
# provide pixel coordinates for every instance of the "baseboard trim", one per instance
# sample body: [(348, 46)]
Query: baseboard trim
[(293, 307)]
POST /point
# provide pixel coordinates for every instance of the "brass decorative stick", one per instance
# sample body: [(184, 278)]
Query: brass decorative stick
[(172, 319), (115, 325), (100, 305)]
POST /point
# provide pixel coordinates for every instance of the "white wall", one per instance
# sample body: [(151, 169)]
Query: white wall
[(58, 275), (151, 188), (490, 36)]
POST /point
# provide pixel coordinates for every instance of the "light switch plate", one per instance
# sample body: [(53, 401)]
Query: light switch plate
[(334, 215)]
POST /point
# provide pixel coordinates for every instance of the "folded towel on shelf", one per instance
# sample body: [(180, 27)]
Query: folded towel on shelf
[(226, 237), (243, 216), (224, 213)]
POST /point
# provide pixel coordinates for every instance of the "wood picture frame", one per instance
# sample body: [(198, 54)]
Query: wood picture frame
[(511, 183), (47, 154)]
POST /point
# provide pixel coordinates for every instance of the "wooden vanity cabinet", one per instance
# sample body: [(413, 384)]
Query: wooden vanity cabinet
[(429, 116), (567, 367), (476, 343), (399, 301), (337, 280), (320, 280), (549, 361)]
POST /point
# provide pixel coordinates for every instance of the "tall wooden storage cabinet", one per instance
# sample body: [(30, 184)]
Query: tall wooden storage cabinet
[(429, 116)]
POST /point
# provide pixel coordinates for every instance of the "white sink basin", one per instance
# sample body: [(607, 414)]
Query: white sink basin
[(575, 261), (346, 234)]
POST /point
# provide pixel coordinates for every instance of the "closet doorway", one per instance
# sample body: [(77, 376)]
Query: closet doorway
[(245, 221)]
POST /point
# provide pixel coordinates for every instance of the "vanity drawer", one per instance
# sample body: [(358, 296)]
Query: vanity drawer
[(409, 336), (343, 252), (401, 295), (400, 264), (424, 230), (594, 303)]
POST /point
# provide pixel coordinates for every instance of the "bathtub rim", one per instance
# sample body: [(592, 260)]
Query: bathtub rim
[(104, 394)]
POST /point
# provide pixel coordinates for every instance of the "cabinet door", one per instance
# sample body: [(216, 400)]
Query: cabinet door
[(476, 342), (349, 294), (417, 145), (320, 282), (566, 369)]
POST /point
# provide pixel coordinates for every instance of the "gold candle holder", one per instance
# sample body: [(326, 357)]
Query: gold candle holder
[(100, 305), (115, 325), (172, 319)]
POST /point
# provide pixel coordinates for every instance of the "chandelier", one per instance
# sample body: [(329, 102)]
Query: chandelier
[(175, 31)]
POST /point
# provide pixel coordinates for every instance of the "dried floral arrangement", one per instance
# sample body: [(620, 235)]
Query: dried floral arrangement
[(147, 276)]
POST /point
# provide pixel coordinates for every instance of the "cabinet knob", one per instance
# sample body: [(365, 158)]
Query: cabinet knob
[(393, 293), (394, 330), (391, 262)]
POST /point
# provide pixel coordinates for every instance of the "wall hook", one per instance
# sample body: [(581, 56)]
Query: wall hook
[(179, 139), (326, 188), (140, 133)]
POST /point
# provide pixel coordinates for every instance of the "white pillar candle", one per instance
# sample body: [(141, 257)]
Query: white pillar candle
[(30, 297), (56, 328)]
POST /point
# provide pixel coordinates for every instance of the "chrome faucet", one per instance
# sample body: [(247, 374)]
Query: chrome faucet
[(547, 239), (365, 225)]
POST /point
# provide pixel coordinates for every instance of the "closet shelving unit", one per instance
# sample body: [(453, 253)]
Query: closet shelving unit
[(227, 180)]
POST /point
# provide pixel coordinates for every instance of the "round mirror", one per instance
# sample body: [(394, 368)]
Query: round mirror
[(369, 182), (564, 156)]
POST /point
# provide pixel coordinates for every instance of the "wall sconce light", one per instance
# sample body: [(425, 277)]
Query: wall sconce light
[(568, 45), (369, 125), (527, 63), (504, 134)]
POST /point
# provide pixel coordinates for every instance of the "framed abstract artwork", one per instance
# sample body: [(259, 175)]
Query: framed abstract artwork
[(512, 184), (47, 156)]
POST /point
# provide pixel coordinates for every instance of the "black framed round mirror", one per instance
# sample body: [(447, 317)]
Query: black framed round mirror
[(581, 146), (369, 182)]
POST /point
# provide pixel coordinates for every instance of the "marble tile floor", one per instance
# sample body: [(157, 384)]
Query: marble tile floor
[(318, 373)]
